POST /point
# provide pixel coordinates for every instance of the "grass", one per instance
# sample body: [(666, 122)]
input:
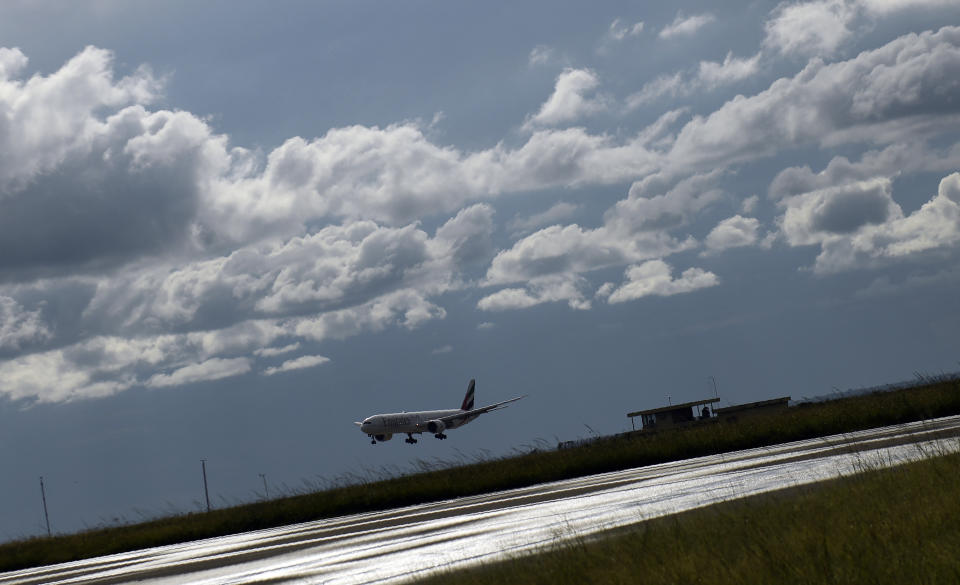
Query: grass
[(928, 399), (896, 525)]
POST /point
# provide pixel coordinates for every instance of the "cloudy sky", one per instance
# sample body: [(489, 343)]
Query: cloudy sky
[(229, 229)]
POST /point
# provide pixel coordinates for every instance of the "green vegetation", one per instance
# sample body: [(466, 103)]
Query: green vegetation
[(929, 399), (897, 525)]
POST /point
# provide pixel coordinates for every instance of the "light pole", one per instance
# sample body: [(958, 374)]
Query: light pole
[(206, 493), (43, 496), (266, 490)]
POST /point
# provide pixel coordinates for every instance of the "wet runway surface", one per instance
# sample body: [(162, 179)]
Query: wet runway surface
[(403, 544)]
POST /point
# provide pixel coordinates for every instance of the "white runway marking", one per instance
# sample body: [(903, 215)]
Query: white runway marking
[(399, 545)]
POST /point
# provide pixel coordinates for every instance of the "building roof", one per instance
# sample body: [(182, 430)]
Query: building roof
[(738, 407), (673, 407)]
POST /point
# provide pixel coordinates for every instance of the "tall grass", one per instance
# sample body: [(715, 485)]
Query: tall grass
[(443, 480), (896, 525)]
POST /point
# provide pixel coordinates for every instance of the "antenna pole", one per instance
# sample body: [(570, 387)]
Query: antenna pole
[(715, 395), (46, 515)]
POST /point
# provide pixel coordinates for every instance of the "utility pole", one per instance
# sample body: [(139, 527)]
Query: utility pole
[(46, 515), (266, 490), (206, 493)]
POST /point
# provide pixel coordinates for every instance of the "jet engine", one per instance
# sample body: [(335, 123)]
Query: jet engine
[(383, 438), (436, 427)]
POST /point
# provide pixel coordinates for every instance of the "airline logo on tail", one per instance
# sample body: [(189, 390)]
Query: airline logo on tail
[(468, 399)]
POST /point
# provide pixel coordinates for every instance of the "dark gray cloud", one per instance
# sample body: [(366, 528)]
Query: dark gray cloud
[(817, 216), (847, 210), (90, 215)]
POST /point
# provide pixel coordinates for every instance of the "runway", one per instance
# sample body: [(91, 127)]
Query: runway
[(403, 544)]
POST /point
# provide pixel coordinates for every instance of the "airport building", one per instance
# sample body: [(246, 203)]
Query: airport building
[(677, 415), (734, 413), (673, 415)]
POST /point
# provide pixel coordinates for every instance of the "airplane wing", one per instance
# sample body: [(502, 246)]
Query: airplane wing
[(478, 411)]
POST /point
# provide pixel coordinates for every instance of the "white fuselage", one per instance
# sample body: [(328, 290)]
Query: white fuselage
[(408, 422)]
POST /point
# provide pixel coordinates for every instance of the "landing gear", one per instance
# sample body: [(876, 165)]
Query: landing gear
[(440, 436), (373, 441), (410, 439)]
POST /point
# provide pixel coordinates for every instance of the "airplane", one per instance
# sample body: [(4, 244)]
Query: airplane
[(382, 427)]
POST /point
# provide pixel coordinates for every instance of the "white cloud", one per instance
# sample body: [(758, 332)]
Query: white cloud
[(822, 27), (810, 28), (653, 204), (51, 377), (571, 249), (686, 25), (212, 369), (442, 350), (655, 277), (708, 76), (486, 325), (19, 327), (712, 74), (465, 238), (336, 266), (546, 289), (41, 129), (300, 363), (275, 351), (540, 55), (12, 61), (935, 225), (733, 232), (749, 205), (620, 30), (670, 85), (887, 7), (573, 97), (406, 308), (635, 229), (859, 225), (104, 365), (395, 175), (897, 92), (508, 298), (896, 159), (556, 213)]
